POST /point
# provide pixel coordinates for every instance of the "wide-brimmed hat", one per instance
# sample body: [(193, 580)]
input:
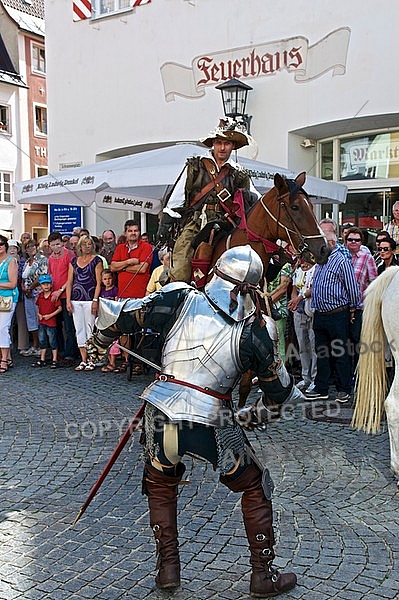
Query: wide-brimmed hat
[(226, 131)]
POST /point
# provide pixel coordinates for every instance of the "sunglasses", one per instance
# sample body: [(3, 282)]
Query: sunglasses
[(356, 240), (2, 243), (384, 248)]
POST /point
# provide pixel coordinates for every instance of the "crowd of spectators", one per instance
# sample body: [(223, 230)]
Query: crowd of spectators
[(319, 306), (326, 302), (58, 284)]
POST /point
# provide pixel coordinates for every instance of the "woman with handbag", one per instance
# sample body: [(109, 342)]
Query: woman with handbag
[(8, 300)]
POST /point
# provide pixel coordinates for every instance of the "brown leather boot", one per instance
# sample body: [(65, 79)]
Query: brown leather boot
[(161, 490), (257, 511)]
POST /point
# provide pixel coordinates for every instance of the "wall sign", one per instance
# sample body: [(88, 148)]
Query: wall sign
[(292, 54)]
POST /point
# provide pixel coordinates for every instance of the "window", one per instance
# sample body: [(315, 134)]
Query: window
[(326, 150), (372, 156), (40, 120), (38, 58), (4, 119), (5, 187), (106, 7), (41, 171)]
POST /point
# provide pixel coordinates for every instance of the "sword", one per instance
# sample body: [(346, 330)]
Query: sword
[(144, 360), (133, 425)]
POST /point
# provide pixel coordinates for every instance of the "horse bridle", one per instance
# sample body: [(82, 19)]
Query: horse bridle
[(303, 238)]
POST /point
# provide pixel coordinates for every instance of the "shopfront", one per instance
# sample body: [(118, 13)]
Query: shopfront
[(368, 164)]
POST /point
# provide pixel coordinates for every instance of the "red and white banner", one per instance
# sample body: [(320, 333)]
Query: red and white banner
[(82, 8)]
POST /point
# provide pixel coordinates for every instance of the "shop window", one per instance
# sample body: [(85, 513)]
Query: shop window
[(106, 7), (38, 58), (5, 187), (40, 120), (372, 156), (4, 119)]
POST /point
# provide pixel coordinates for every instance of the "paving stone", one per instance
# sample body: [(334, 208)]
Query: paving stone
[(336, 503)]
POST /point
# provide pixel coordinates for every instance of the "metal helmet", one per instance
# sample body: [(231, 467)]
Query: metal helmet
[(237, 266)]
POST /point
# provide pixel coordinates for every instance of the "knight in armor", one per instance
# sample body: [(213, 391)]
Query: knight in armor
[(204, 193), (210, 338)]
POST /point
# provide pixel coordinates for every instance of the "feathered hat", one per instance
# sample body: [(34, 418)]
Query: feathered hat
[(226, 131)]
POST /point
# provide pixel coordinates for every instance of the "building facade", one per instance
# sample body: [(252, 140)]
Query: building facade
[(23, 112), (142, 74)]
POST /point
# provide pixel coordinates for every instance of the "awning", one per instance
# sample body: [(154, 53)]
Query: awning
[(139, 181)]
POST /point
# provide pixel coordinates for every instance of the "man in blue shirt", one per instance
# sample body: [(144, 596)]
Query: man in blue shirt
[(335, 295)]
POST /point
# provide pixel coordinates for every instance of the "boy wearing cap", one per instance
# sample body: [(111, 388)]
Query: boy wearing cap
[(48, 309)]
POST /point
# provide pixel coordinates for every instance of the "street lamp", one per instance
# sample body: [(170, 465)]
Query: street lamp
[(234, 98)]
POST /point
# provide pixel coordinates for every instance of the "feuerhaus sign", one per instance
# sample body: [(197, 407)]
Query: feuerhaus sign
[(250, 62)]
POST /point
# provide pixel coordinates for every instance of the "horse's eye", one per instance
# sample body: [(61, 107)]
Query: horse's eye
[(294, 207)]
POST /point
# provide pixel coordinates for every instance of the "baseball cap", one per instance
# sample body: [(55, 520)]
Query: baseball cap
[(46, 278)]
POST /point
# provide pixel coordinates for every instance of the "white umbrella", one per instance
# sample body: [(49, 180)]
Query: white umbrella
[(139, 181)]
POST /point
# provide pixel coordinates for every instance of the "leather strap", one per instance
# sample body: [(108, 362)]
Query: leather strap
[(171, 379), (213, 183)]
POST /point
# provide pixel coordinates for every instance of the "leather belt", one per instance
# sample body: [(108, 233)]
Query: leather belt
[(171, 379), (333, 311)]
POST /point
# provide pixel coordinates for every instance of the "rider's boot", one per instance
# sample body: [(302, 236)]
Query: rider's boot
[(257, 511), (161, 490)]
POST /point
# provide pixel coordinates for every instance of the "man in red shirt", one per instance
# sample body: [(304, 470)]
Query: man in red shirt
[(132, 262)]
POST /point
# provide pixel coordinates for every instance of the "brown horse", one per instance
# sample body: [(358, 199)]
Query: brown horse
[(284, 213)]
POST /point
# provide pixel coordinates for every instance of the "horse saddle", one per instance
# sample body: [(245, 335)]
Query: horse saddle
[(211, 233)]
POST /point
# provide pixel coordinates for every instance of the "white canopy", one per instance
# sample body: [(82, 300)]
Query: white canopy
[(139, 181)]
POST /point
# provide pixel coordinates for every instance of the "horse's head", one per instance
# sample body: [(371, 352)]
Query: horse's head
[(290, 208)]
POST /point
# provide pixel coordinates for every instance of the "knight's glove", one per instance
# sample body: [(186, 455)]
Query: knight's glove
[(165, 225), (97, 345), (258, 415)]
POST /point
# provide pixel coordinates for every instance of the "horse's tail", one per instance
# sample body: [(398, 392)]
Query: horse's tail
[(371, 379)]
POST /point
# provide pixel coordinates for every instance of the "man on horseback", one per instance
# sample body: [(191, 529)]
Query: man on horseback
[(210, 339), (203, 193)]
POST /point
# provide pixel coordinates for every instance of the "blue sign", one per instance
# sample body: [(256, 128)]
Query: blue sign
[(65, 218)]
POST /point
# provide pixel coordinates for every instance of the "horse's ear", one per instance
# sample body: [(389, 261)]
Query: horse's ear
[(300, 179), (279, 182)]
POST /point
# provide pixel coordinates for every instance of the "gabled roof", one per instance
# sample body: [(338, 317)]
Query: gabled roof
[(35, 8), (28, 14)]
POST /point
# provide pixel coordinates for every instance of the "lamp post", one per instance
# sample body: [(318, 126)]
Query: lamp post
[(234, 98)]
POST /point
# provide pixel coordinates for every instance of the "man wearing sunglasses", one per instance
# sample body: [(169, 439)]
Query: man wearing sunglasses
[(365, 272)]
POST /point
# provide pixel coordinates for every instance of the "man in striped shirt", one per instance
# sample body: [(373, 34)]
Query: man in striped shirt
[(335, 296), (365, 272)]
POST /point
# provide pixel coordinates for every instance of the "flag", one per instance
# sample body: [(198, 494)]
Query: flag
[(81, 9)]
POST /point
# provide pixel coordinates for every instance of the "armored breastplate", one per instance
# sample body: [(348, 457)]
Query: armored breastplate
[(202, 349)]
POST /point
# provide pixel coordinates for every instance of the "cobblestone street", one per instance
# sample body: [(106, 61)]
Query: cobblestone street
[(336, 502)]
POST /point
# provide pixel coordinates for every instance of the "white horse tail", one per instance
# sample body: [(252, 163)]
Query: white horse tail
[(371, 379)]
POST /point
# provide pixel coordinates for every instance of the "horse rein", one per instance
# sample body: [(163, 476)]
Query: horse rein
[(303, 243)]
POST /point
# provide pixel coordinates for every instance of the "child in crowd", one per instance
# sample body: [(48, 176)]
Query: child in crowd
[(108, 287), (109, 291), (48, 309)]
